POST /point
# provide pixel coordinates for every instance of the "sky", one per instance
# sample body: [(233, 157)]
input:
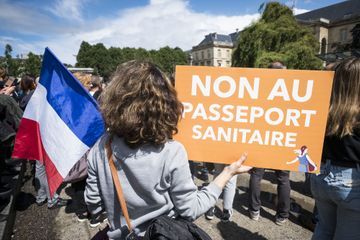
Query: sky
[(61, 25)]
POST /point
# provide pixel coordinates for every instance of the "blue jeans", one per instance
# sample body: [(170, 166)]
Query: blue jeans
[(337, 196)]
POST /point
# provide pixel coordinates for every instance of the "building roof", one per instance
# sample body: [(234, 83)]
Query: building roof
[(75, 69), (334, 13), (234, 36), (219, 39)]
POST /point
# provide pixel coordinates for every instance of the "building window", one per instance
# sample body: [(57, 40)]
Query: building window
[(343, 34), (219, 63), (208, 63), (196, 56), (323, 46), (208, 54), (202, 54), (228, 63), (228, 53), (219, 53)]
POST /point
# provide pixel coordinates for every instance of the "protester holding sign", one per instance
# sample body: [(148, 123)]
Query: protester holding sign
[(283, 189), (141, 111), (337, 188)]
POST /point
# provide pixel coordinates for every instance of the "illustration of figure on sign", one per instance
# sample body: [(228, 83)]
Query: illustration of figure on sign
[(305, 162)]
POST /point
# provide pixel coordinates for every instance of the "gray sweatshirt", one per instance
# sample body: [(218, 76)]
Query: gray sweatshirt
[(155, 181)]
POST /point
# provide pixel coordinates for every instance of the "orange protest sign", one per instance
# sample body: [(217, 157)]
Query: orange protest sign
[(277, 116)]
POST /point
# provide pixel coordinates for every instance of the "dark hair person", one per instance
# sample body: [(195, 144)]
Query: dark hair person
[(141, 111), (337, 188), (27, 85), (96, 88)]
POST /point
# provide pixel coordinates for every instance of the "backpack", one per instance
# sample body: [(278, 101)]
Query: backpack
[(167, 228), (79, 171)]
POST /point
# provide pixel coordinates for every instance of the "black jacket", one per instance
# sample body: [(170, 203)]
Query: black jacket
[(346, 149), (10, 116)]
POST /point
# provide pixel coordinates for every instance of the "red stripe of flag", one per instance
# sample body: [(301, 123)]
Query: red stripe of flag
[(28, 145)]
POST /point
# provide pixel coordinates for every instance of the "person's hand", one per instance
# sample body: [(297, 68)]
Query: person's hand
[(7, 90), (238, 167), (2, 91), (231, 170)]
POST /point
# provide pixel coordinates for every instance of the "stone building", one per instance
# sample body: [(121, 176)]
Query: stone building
[(333, 26), (214, 50)]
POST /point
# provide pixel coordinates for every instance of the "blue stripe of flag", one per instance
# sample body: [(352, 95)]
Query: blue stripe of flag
[(71, 101)]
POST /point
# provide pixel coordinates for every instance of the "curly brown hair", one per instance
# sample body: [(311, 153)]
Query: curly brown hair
[(141, 105)]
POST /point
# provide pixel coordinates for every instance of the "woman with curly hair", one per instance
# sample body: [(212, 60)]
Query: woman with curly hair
[(141, 111)]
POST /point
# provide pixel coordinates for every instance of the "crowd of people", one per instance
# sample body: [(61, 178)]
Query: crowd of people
[(141, 112)]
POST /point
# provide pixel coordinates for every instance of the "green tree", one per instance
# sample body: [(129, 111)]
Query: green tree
[(8, 51), (166, 58), (9, 63), (277, 37), (142, 54), (32, 64), (105, 61), (128, 54), (83, 58), (95, 56)]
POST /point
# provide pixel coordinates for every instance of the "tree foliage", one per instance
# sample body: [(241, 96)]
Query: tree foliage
[(277, 37), (9, 63), (105, 61), (8, 51), (17, 67), (32, 64)]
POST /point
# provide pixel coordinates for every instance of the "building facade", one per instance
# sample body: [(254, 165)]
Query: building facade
[(333, 26), (214, 50)]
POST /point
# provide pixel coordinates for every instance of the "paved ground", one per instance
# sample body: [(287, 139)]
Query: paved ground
[(33, 222)]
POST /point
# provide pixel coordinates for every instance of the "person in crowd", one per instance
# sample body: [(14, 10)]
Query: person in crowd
[(283, 188), (90, 83), (10, 116), (3, 75), (84, 78), (96, 88), (337, 188), (141, 111), (8, 86), (27, 86), (43, 192), (315, 216), (228, 196)]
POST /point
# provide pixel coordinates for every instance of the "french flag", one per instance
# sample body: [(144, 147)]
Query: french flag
[(60, 123)]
